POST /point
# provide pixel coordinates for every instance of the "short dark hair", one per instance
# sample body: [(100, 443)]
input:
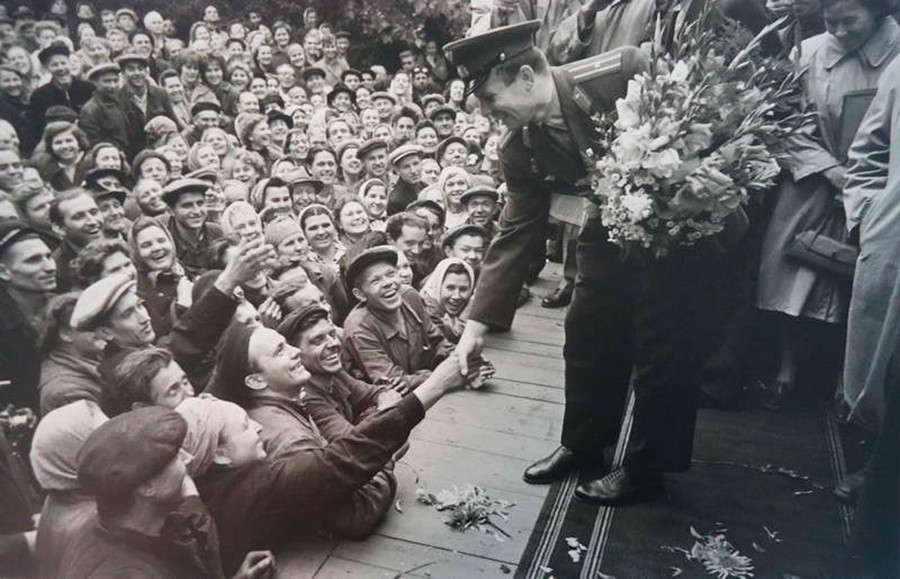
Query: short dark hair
[(188, 56), (57, 128), (532, 57), (395, 224), (61, 197), (88, 266), (129, 381)]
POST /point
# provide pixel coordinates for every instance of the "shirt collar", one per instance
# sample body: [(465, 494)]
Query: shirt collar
[(876, 50)]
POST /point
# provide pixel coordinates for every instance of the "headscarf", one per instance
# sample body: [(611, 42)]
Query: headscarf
[(57, 440), (230, 211), (432, 287), (448, 172), (140, 224), (206, 418)]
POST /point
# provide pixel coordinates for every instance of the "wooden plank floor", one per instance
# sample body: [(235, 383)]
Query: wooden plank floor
[(485, 437)]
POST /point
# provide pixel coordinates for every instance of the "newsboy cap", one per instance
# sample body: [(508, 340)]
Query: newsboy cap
[(98, 299), (128, 450), (359, 264)]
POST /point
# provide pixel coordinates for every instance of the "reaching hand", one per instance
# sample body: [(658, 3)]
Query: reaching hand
[(250, 260), (256, 564), (470, 345), (270, 313)]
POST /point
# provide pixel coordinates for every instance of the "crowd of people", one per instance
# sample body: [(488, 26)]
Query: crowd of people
[(235, 268)]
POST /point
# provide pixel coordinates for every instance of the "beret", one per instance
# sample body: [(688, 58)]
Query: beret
[(342, 148), (128, 450), (281, 229), (442, 110), (383, 95), (313, 71), (358, 265), (94, 175), (406, 53), (479, 191), (201, 106), (350, 71), (53, 49), (290, 325), (14, 231), (99, 194), (370, 145), (404, 151), (103, 69), (442, 146), (61, 113), (179, 187), (279, 115), (127, 57), (100, 298), (476, 56), (459, 231)]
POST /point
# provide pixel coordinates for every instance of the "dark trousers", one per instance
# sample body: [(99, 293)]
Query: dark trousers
[(652, 323), (598, 350)]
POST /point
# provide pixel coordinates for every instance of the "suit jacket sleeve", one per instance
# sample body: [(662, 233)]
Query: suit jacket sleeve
[(520, 233), (871, 151), (199, 329)]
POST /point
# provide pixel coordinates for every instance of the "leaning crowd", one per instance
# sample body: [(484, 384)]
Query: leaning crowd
[(232, 274)]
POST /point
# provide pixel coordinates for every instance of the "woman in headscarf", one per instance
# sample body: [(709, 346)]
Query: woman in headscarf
[(447, 293), (162, 281), (68, 510), (351, 220), (373, 195), (453, 182)]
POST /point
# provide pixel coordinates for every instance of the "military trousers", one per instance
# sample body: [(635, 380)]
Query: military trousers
[(649, 323)]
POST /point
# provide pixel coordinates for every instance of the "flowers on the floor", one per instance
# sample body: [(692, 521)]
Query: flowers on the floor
[(576, 549), (695, 138), (469, 508), (719, 557)]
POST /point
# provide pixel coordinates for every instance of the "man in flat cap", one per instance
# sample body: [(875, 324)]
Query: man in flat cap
[(407, 163), (141, 100), (374, 156), (548, 111), (480, 202), (27, 281), (134, 467), (466, 242), (62, 90), (191, 229), (103, 116), (204, 115)]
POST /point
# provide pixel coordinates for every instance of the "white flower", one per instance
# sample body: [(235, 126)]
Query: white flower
[(680, 72), (638, 206), (663, 163)]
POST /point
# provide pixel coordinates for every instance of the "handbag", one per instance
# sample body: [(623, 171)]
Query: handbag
[(823, 253)]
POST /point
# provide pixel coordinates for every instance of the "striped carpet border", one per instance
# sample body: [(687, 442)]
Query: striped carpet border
[(551, 532), (838, 468)]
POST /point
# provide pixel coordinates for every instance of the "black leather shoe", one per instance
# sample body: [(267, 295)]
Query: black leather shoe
[(524, 296), (619, 487), (560, 298), (848, 491), (550, 468)]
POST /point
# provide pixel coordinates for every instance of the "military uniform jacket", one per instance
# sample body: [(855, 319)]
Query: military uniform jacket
[(535, 170)]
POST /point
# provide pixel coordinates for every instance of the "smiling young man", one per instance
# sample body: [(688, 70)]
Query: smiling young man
[(78, 219), (389, 335), (407, 162), (63, 88), (27, 280), (142, 101), (191, 231)]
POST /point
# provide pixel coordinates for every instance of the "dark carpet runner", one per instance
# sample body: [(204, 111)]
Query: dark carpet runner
[(761, 478)]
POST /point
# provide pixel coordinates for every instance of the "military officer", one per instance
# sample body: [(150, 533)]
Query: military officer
[(629, 319)]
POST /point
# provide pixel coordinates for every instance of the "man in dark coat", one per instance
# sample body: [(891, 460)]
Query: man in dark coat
[(624, 312), (407, 162), (142, 102), (27, 279), (103, 116), (62, 90)]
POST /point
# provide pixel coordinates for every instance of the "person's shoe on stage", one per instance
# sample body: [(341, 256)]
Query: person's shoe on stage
[(553, 467), (621, 486)]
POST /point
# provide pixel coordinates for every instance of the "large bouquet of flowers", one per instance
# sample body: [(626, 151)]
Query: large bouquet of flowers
[(695, 138)]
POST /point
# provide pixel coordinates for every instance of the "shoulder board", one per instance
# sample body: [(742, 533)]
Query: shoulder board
[(588, 69)]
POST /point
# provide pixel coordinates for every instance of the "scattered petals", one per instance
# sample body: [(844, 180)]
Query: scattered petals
[(398, 507)]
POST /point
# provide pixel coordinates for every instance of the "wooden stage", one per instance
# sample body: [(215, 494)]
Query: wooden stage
[(486, 437)]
